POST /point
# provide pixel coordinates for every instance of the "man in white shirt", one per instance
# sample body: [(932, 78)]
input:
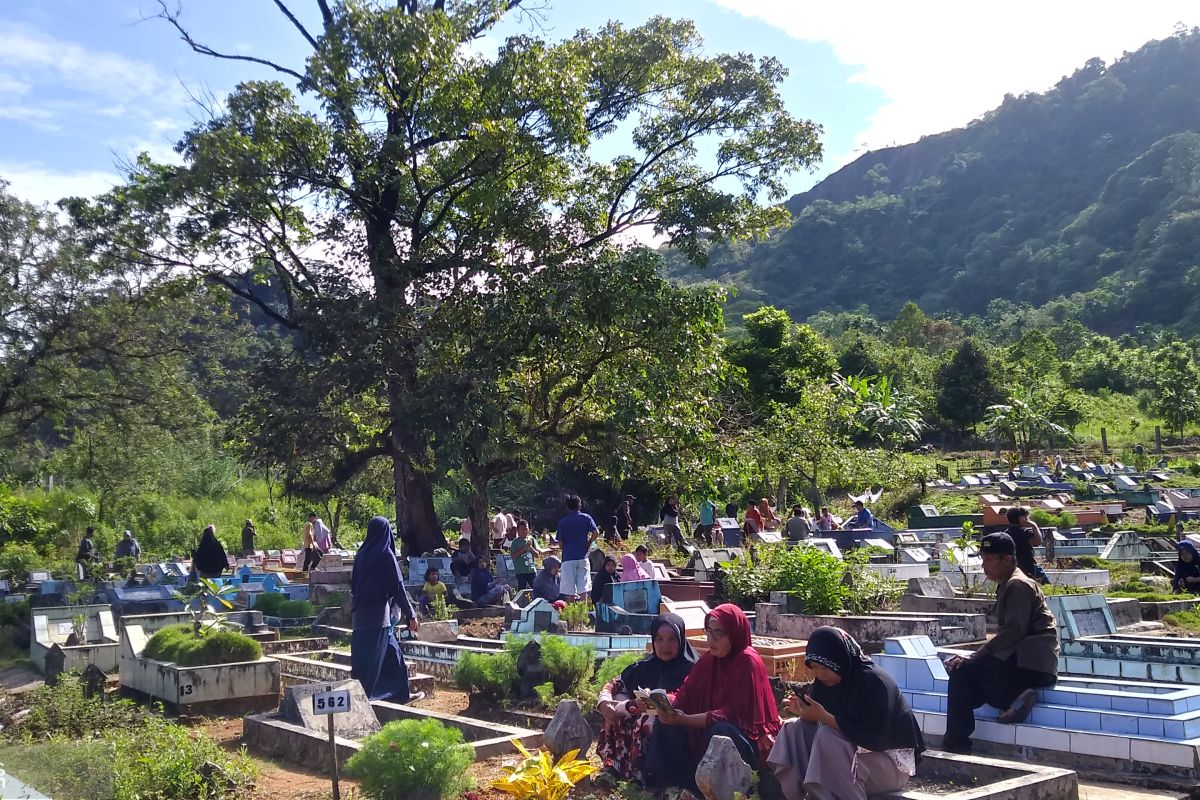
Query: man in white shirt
[(499, 527)]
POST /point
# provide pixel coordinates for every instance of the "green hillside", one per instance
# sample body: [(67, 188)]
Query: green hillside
[(1085, 198)]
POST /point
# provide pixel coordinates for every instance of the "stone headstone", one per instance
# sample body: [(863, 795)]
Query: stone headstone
[(435, 631), (567, 731), (531, 671), (56, 662), (722, 773), (94, 681), (935, 586), (356, 723)]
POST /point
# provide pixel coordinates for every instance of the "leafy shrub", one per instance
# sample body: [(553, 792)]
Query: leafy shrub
[(269, 602), (295, 609), (812, 575), (868, 590), (334, 600), (492, 675), (63, 768), (612, 667), (539, 777), (62, 710), (413, 759), (18, 560), (164, 761), (177, 644), (577, 616), (569, 666)]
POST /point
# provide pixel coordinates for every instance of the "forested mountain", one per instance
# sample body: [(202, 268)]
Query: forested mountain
[(1086, 198)]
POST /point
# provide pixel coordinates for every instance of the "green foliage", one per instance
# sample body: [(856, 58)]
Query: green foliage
[(576, 615), (177, 644), (62, 768), (612, 667), (570, 666), (967, 386), (160, 760), (295, 609), (492, 675), (62, 710), (269, 602), (1188, 621), (867, 590), (18, 560), (813, 576), (420, 759)]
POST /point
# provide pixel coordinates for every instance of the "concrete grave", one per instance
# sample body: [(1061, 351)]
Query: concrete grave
[(634, 605), (359, 721), (900, 572), (150, 599), (873, 629), (537, 615), (1123, 727), (936, 586), (54, 627), (703, 563)]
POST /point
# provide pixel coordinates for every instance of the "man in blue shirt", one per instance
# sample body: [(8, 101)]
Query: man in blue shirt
[(708, 520), (576, 532), (862, 517)]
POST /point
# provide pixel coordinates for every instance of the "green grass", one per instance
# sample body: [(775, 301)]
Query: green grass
[(1185, 620), (61, 768), (176, 644)]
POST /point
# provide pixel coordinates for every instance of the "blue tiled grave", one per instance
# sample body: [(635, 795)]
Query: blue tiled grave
[(1135, 726)]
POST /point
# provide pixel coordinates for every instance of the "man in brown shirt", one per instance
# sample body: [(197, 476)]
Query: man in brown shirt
[(1020, 659)]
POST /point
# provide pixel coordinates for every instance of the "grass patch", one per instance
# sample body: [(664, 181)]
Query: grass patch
[(177, 644), (61, 768), (1185, 620)]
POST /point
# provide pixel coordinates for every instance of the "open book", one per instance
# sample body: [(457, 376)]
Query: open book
[(655, 701)]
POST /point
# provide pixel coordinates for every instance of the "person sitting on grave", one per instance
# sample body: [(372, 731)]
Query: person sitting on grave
[(861, 518), (606, 575), (623, 738), (432, 589), (1021, 658), (1026, 535), (728, 693), (855, 735), (799, 526), (485, 589), (377, 587), (1187, 569), (128, 547), (825, 520), (546, 585), (464, 558), (209, 559), (636, 566)]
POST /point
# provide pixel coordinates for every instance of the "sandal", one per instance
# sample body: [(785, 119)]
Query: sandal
[(1019, 711)]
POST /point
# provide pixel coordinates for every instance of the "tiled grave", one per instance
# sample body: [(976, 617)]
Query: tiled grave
[(633, 604), (1133, 727)]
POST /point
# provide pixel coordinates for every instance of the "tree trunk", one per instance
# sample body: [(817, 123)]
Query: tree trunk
[(781, 494), (416, 520), (480, 518)]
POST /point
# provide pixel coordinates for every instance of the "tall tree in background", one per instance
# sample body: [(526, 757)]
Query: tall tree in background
[(430, 176), (967, 387)]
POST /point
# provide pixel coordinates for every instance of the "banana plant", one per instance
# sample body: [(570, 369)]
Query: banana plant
[(199, 603)]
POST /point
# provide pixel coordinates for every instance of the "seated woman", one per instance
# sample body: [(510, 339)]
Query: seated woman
[(635, 566), (484, 588), (431, 589), (623, 738), (727, 693), (546, 585), (606, 575), (1187, 569), (855, 735)]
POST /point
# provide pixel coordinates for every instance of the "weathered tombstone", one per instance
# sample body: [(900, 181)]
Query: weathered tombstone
[(568, 731), (722, 773), (934, 586), (531, 671), (359, 721), (56, 663), (94, 681)]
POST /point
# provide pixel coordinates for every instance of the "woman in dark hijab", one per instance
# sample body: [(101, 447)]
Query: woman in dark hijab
[(606, 575), (209, 559), (855, 735), (376, 586), (727, 693), (623, 738), (1187, 569)]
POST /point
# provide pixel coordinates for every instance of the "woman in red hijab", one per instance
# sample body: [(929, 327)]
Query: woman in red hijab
[(727, 693)]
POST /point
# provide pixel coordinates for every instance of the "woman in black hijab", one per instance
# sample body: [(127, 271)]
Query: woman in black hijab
[(209, 559), (622, 743), (606, 575), (855, 735)]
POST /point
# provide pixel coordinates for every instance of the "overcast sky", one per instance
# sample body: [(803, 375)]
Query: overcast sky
[(85, 84)]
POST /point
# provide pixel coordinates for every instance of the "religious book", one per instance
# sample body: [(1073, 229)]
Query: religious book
[(656, 701)]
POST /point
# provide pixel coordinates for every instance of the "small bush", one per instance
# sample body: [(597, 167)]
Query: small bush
[(414, 760), (62, 710), (18, 560), (569, 666), (613, 667), (164, 761), (493, 675), (176, 644), (295, 609), (812, 575), (269, 602)]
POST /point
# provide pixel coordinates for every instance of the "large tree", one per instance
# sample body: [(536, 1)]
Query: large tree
[(416, 174)]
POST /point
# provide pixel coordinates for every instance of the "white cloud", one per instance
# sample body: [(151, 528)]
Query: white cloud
[(38, 184), (75, 66), (941, 64)]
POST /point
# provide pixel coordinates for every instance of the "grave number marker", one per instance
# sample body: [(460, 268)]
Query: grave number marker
[(331, 702)]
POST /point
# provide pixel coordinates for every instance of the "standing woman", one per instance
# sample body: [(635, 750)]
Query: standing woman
[(855, 736), (727, 693), (209, 559), (375, 585), (622, 742)]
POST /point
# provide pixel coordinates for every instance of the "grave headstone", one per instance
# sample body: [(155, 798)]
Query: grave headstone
[(934, 586), (356, 723), (531, 671), (568, 731), (94, 681), (56, 663), (722, 774)]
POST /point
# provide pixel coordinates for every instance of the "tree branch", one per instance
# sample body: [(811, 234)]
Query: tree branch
[(205, 50), (287, 12)]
